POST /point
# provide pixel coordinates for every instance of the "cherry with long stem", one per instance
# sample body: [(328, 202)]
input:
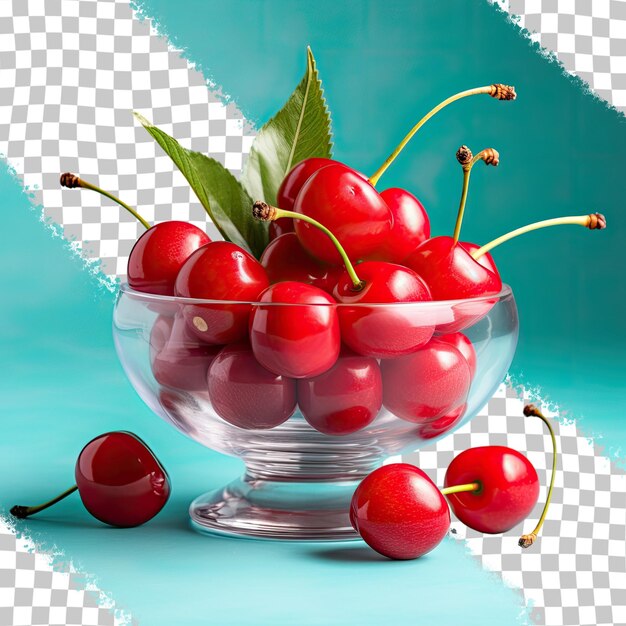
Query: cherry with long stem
[(369, 331), (71, 181), (266, 213), (22, 512), (497, 91), (593, 221), (526, 541), (464, 156)]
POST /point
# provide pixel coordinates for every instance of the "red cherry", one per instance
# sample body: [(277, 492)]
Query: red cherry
[(297, 333), (295, 179), (383, 331), (160, 333), (289, 189), (436, 428), (486, 260), (411, 226), (119, 480), (220, 271), (427, 384), (159, 253), (464, 346), (450, 272), (285, 259), (280, 227), (508, 488), (346, 204), (183, 360), (399, 512), (247, 395), (344, 399)]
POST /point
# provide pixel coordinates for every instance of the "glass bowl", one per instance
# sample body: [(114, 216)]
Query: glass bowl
[(299, 479)]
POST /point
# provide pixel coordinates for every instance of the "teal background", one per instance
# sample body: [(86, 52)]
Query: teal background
[(383, 65)]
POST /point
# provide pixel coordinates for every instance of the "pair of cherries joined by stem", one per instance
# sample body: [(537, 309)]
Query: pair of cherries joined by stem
[(119, 479), (400, 512)]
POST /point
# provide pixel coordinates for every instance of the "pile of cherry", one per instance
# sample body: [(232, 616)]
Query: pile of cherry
[(329, 319)]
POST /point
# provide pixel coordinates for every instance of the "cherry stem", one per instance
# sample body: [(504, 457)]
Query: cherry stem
[(498, 91), (593, 221), (71, 181), (465, 158), (527, 540), (266, 213), (461, 488), (23, 512)]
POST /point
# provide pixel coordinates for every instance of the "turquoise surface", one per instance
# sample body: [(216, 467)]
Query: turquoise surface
[(383, 64)]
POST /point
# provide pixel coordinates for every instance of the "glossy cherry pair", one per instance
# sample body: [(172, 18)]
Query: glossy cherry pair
[(399, 512), (120, 481), (385, 226)]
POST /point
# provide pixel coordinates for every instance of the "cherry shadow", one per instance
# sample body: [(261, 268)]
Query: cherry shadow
[(348, 554)]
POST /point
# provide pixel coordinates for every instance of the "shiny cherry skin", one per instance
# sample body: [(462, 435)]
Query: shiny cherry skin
[(344, 399), (158, 255), (426, 385), (509, 488), (450, 272), (183, 360), (285, 259), (486, 260), (280, 227), (289, 189), (220, 271), (245, 394), (297, 341), (349, 206), (411, 226), (295, 179), (442, 425), (120, 481), (464, 346), (382, 331), (399, 512)]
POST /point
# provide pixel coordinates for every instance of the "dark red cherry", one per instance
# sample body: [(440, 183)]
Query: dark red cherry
[(159, 253), (426, 385), (411, 226), (220, 271), (183, 360), (508, 488), (247, 395), (450, 272), (285, 259), (119, 480), (344, 399), (280, 227), (442, 425), (464, 346), (346, 204), (388, 328), (296, 333), (399, 512)]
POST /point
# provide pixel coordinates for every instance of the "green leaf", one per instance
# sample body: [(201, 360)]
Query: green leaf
[(300, 130), (219, 192)]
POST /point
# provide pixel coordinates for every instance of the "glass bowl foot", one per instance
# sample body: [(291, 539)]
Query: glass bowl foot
[(265, 509)]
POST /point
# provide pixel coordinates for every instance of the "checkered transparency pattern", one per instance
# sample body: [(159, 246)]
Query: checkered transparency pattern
[(71, 71), (33, 592), (587, 36), (575, 573)]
